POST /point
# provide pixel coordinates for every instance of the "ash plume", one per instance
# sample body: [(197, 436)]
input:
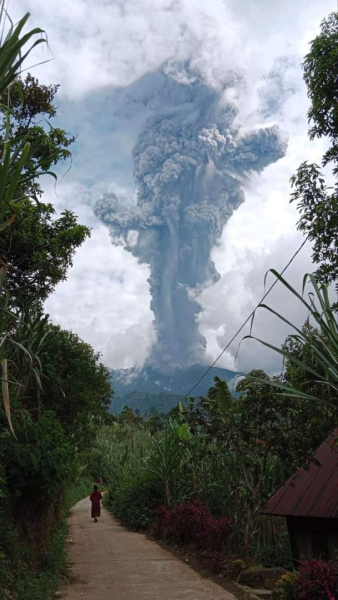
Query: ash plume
[(190, 164)]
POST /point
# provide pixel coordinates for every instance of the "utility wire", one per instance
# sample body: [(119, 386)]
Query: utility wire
[(248, 319)]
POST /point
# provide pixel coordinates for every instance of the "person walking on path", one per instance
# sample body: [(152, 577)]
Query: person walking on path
[(95, 499)]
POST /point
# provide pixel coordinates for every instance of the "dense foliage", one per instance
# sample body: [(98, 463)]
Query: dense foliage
[(55, 391), (75, 384), (224, 456), (40, 460), (316, 580), (37, 248), (192, 523), (177, 465), (31, 563)]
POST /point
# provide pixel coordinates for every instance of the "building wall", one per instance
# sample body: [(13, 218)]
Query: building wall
[(313, 538)]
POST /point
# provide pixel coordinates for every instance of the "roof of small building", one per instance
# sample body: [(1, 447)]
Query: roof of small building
[(313, 490)]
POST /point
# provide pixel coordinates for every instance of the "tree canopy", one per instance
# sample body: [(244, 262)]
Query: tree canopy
[(38, 249), (31, 107), (75, 384), (317, 199)]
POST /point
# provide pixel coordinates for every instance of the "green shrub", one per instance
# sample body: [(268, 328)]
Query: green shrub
[(75, 492), (135, 501), (285, 589), (28, 572), (40, 460), (275, 555)]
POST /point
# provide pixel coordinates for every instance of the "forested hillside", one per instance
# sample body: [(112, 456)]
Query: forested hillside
[(149, 389)]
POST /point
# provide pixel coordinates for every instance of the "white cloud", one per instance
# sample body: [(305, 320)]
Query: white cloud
[(261, 235), (106, 302), (236, 295), (112, 43)]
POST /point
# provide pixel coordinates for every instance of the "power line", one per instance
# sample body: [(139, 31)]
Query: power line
[(248, 319)]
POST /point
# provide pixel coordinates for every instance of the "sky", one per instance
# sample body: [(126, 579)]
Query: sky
[(100, 53)]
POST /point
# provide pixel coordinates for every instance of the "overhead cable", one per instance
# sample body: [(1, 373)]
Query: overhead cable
[(246, 321)]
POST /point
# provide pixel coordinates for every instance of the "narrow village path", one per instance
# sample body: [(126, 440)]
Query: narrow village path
[(111, 563)]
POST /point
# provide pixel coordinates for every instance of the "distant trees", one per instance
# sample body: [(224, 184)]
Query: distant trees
[(129, 417)]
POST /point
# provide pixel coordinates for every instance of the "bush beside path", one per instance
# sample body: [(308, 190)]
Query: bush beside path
[(108, 561)]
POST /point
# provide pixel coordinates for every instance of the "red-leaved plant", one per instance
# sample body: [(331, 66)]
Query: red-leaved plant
[(164, 520), (219, 532), (317, 580), (192, 523)]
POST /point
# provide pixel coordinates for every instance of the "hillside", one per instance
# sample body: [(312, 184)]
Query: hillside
[(145, 402), (147, 389)]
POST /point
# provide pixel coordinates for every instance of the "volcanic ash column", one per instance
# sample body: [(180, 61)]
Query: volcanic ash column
[(190, 163)]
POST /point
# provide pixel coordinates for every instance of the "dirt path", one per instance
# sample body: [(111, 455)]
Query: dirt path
[(111, 563)]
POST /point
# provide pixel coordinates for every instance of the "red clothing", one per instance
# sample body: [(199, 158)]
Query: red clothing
[(95, 498)]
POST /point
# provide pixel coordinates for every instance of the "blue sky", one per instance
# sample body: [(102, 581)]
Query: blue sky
[(100, 51)]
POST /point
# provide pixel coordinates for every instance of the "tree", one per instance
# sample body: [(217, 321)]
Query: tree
[(75, 385), (155, 422), (38, 250), (31, 106), (318, 205), (129, 417), (34, 248), (14, 156), (287, 427)]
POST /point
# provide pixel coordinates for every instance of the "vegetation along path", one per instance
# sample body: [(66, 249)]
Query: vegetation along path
[(110, 562)]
